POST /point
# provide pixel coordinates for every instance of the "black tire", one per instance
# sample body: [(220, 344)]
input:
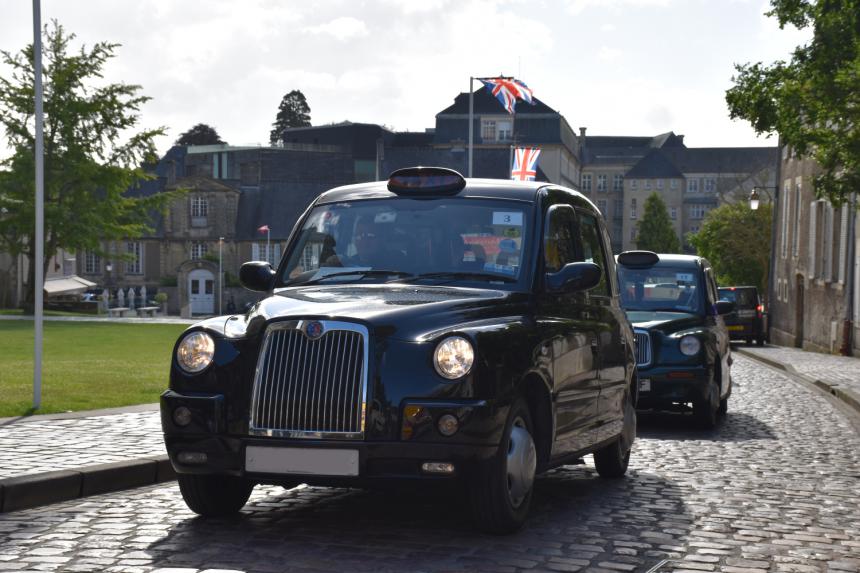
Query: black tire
[(214, 495), (760, 341), (724, 407), (611, 461), (497, 507), (706, 412)]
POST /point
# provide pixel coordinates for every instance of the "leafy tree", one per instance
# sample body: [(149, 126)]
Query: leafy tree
[(654, 232), (200, 134), (94, 153), (736, 241), (813, 101), (293, 112)]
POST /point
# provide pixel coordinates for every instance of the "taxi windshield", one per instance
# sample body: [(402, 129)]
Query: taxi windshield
[(440, 240), (661, 288)]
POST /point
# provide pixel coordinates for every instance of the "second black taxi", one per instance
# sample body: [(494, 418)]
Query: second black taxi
[(682, 345), (428, 328)]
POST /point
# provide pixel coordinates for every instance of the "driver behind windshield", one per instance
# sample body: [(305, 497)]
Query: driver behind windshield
[(372, 248)]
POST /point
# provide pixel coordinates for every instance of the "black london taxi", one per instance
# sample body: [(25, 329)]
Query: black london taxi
[(682, 345), (747, 321), (428, 328)]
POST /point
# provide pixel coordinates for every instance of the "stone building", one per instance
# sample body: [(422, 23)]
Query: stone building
[(815, 303)]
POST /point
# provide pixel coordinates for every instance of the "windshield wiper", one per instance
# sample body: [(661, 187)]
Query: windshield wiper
[(460, 275), (363, 272)]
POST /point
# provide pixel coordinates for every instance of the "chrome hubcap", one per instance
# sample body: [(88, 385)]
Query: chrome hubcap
[(521, 463)]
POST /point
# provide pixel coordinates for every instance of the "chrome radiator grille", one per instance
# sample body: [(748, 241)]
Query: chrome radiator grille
[(311, 381), (643, 347)]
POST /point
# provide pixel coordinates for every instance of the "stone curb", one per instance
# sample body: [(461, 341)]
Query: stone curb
[(844, 395), (22, 492)]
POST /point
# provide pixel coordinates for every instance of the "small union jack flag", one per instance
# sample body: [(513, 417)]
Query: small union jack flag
[(508, 91), (525, 164)]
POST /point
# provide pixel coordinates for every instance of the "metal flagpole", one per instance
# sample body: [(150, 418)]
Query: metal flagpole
[(471, 122), (40, 205), (268, 247), (220, 274)]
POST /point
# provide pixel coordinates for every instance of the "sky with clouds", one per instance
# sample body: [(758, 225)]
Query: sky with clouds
[(618, 67)]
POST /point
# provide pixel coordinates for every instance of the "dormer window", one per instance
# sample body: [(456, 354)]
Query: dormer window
[(199, 211), (497, 130)]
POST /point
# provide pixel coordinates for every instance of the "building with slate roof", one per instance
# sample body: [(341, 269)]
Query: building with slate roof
[(814, 301), (232, 190)]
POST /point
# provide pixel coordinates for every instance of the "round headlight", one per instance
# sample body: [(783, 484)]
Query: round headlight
[(195, 352), (454, 357), (690, 345)]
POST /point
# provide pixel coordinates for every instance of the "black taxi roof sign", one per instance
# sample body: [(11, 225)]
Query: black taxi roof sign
[(638, 258), (425, 181)]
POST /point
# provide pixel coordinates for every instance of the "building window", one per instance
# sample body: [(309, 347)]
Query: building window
[(199, 211), (783, 224), (694, 229), (601, 204), (797, 214), (673, 184), (586, 182), (273, 255), (618, 208), (134, 266), (710, 185), (646, 184), (497, 130), (659, 184), (633, 183), (633, 234), (692, 185), (198, 250), (601, 183), (698, 211), (617, 182), (633, 208), (673, 213), (92, 263)]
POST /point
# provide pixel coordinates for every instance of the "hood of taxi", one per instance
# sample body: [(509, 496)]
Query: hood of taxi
[(664, 321), (405, 312)]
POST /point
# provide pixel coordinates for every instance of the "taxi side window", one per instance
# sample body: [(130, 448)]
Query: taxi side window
[(559, 239), (592, 250)]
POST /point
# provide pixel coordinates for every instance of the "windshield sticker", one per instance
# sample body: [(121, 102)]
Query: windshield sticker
[(684, 277), (385, 217), (512, 232), (501, 269), (508, 245), (508, 218)]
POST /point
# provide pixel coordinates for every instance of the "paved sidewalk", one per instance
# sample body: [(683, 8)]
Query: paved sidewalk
[(51, 458), (837, 375)]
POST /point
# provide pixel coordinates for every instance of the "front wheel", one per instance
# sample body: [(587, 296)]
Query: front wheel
[(214, 495), (611, 461), (706, 412), (501, 489)]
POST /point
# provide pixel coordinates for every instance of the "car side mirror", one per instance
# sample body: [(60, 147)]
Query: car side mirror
[(257, 276), (574, 277), (724, 306)]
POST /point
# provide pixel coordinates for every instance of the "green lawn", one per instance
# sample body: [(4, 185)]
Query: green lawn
[(86, 365)]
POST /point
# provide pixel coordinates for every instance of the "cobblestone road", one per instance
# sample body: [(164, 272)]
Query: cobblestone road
[(776, 487), (47, 445)]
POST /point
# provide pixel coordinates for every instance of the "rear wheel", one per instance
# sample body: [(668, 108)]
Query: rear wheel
[(214, 495), (501, 489), (611, 461), (760, 341)]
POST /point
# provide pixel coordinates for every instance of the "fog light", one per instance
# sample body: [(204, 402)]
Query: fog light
[(192, 458), (437, 468), (182, 416), (448, 425)]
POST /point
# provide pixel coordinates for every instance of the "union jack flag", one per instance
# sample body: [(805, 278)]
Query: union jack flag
[(508, 91), (525, 164)]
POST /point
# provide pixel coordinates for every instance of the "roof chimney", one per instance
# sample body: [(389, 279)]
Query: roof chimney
[(582, 132)]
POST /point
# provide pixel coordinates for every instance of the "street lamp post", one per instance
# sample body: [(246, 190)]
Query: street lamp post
[(755, 201), (220, 274)]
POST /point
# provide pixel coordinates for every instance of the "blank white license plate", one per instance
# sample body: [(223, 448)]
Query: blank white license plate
[(309, 461), (644, 384)]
